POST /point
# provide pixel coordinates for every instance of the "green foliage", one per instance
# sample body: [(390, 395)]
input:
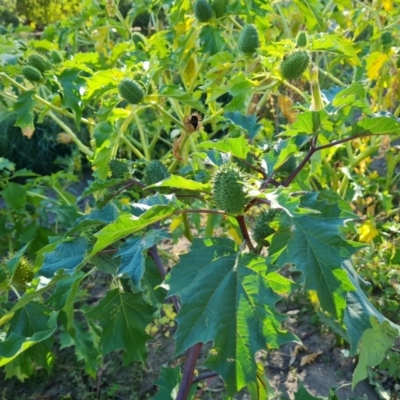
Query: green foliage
[(249, 40), (168, 167), (294, 64), (228, 190)]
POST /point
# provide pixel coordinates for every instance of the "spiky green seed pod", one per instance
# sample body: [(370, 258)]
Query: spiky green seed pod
[(56, 57), (249, 40), (31, 73), (294, 64), (288, 166), (155, 172), (24, 272), (228, 190), (131, 91), (262, 229), (202, 10), (88, 234), (219, 7), (301, 39), (118, 168), (39, 62)]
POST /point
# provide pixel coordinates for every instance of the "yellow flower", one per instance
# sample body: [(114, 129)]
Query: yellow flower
[(367, 232)]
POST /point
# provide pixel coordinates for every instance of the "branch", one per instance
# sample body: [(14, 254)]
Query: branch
[(245, 232), (206, 375)]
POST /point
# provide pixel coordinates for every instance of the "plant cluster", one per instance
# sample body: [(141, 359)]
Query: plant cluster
[(202, 115)]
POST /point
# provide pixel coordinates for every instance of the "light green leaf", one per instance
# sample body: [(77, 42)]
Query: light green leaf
[(242, 89), (336, 44), (373, 345), (178, 182), (312, 12), (175, 92), (24, 108), (123, 317), (377, 126), (243, 294), (237, 147), (14, 195)]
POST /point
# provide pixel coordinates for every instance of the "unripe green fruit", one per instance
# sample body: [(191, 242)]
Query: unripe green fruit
[(293, 65), (24, 272), (301, 39), (202, 10), (118, 168), (39, 62), (155, 172), (249, 41), (227, 189), (262, 229), (56, 57), (219, 7), (31, 73), (131, 91)]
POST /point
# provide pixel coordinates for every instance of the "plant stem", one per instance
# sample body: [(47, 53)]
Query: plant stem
[(186, 231), (132, 147), (206, 375), (242, 225), (286, 28), (143, 138), (168, 115), (188, 371), (84, 149)]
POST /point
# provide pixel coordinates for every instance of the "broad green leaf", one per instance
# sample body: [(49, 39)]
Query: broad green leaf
[(66, 256), (313, 243), (6, 164), (211, 39), (247, 122), (24, 108), (31, 325), (312, 12), (14, 195), (127, 224), (377, 126), (359, 310), (123, 317), (336, 44), (102, 158), (103, 216), (72, 84), (133, 254), (237, 147), (85, 342), (179, 182), (311, 122), (350, 95), (63, 296), (175, 92), (99, 186), (169, 382), (373, 345), (241, 88), (215, 276)]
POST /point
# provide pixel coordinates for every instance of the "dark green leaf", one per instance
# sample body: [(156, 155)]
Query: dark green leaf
[(313, 243), (123, 317), (72, 83), (211, 39), (247, 122), (214, 276), (14, 195), (66, 256)]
